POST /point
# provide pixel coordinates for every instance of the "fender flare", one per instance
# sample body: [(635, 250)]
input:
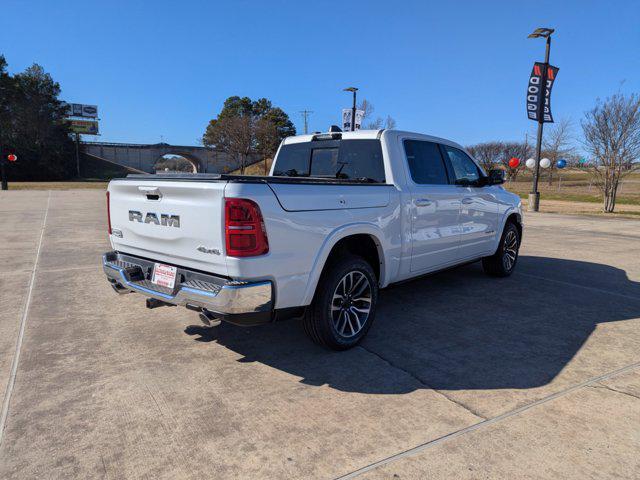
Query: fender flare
[(330, 241), (510, 211)]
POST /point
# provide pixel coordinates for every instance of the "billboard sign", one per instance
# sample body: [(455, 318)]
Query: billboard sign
[(81, 110), (346, 119), (84, 127), (539, 102)]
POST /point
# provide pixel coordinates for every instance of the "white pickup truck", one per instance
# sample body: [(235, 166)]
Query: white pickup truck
[(341, 215)]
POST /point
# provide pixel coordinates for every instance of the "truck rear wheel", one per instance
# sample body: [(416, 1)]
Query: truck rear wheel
[(344, 305)]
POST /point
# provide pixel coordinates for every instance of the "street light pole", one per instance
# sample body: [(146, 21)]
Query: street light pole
[(353, 112), (353, 108), (534, 196), (78, 154), (3, 173)]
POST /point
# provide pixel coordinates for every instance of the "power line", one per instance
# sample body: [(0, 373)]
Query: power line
[(305, 115)]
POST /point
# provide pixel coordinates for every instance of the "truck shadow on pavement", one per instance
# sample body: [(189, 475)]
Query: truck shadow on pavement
[(457, 330)]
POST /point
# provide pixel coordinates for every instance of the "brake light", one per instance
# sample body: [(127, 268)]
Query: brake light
[(244, 228), (109, 211)]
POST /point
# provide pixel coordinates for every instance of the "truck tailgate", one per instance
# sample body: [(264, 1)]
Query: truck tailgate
[(180, 223)]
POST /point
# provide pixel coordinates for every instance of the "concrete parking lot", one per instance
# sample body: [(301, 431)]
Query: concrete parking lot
[(461, 376)]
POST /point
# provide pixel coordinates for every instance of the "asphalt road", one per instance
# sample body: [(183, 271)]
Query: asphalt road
[(461, 376)]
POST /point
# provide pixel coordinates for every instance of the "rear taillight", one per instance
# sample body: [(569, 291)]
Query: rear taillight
[(109, 212), (244, 228)]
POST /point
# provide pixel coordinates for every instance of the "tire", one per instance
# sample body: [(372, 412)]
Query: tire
[(344, 305), (503, 262)]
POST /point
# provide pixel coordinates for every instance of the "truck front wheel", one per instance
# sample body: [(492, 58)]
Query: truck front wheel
[(344, 305), (503, 262)]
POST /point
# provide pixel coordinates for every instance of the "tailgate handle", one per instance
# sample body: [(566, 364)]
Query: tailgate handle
[(152, 193)]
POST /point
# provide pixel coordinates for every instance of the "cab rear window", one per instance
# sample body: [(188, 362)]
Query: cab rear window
[(359, 160)]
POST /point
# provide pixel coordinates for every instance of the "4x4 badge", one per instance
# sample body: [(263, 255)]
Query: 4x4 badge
[(204, 249)]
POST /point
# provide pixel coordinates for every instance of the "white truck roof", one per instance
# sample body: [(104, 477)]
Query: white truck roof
[(370, 134)]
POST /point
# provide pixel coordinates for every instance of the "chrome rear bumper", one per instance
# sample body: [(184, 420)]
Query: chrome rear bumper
[(238, 302)]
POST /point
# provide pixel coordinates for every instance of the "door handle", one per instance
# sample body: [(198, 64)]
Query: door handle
[(423, 202), (152, 193), (467, 200)]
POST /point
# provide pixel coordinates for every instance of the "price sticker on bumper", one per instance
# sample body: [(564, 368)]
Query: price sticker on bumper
[(164, 275)]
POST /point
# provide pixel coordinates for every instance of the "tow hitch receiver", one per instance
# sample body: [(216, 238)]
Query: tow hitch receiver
[(155, 303)]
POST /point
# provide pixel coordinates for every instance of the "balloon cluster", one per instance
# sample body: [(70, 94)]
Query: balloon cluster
[(514, 162)]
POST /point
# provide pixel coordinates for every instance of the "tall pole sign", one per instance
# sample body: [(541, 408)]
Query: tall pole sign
[(76, 116), (539, 105), (349, 119)]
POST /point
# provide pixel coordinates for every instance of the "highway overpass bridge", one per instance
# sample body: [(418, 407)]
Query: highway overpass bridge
[(143, 157)]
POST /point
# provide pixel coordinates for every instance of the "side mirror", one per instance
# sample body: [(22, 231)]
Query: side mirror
[(496, 177)]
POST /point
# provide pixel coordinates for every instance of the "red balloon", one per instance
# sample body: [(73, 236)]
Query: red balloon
[(514, 162), (12, 158)]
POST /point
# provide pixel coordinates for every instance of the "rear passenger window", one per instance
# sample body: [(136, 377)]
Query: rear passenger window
[(361, 159), (425, 163)]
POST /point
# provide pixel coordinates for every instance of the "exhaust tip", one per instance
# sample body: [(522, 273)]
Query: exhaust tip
[(209, 319)]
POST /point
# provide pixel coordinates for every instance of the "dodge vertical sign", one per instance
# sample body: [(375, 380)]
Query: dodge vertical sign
[(539, 103)]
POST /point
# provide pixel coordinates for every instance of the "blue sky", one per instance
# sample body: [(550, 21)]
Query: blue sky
[(456, 69)]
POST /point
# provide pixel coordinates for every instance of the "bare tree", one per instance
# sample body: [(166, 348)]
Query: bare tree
[(267, 140), (374, 124), (612, 136), (519, 150), (234, 135), (390, 122), (493, 154), (487, 153), (367, 107), (558, 144)]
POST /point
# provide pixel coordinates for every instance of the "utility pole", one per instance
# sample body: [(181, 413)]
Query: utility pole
[(534, 196), (305, 115)]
